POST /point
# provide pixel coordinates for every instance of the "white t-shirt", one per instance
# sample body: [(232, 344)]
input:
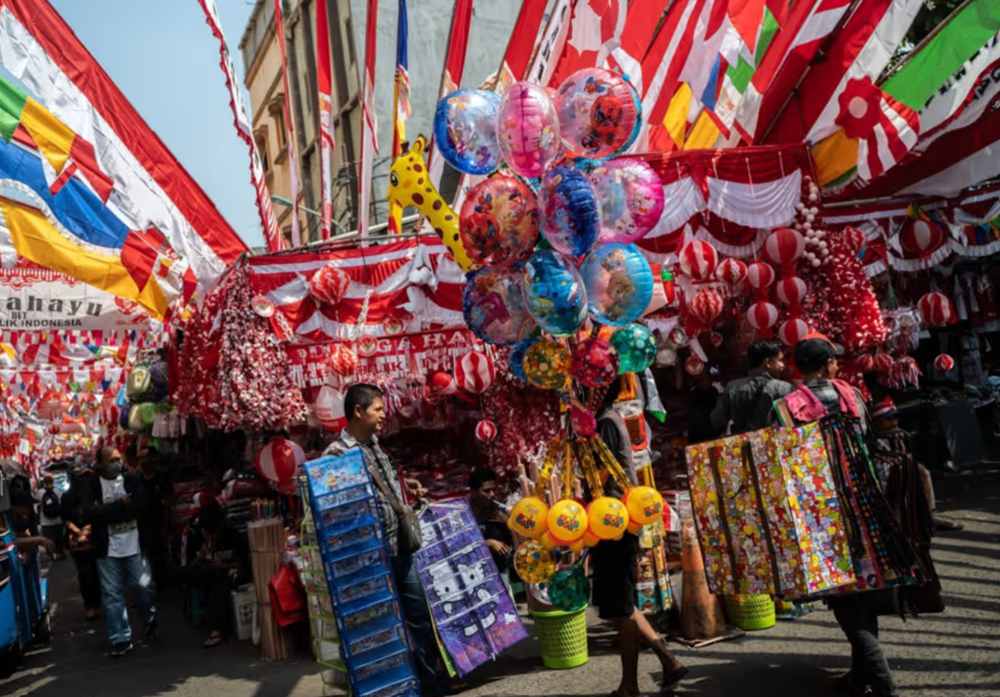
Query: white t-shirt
[(44, 519), (123, 538)]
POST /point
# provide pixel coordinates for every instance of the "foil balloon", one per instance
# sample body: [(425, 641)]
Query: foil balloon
[(465, 130), (528, 517), (554, 293), (569, 213), (499, 221), (631, 198), (595, 362), (636, 347), (569, 589), (494, 306), (597, 113), (516, 357), (534, 563), (548, 365), (619, 283), (528, 129)]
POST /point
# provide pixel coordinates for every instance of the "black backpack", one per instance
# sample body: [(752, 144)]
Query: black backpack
[(50, 505)]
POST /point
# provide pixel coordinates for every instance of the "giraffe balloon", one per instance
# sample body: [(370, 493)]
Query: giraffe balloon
[(410, 185)]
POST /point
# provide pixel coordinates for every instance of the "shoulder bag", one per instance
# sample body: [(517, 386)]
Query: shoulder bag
[(410, 537)]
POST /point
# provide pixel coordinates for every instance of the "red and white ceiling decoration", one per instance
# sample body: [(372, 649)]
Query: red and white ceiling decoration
[(394, 288), (731, 198)]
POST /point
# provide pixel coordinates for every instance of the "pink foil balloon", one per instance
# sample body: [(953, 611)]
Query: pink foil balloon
[(528, 129), (631, 197)]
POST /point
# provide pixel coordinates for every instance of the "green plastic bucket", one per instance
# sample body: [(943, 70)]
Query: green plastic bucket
[(562, 637)]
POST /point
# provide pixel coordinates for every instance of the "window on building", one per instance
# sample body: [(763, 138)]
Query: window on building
[(349, 27), (260, 138)]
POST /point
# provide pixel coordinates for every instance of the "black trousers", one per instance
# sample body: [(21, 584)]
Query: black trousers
[(217, 585), (88, 578), (57, 534), (857, 615)]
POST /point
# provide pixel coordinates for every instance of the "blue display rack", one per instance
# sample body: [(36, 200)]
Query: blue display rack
[(370, 622)]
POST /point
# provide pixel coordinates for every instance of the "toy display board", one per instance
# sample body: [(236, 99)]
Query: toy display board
[(469, 602), (369, 622), (768, 515)]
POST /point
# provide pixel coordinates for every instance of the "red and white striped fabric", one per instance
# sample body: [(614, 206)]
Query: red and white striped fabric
[(885, 128), (731, 271), (762, 315), (760, 275), (791, 291), (698, 260), (792, 331), (784, 246), (475, 372), (936, 310), (412, 279)]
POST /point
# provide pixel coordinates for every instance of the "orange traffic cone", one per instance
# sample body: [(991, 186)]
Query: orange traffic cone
[(701, 613)]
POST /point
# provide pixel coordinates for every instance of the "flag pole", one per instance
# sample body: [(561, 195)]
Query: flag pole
[(324, 84), (400, 108)]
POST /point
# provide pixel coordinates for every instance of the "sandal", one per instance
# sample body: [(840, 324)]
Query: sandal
[(672, 680), (214, 640)]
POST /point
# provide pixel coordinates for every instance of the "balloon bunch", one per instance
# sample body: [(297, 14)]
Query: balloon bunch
[(553, 228), (568, 522)]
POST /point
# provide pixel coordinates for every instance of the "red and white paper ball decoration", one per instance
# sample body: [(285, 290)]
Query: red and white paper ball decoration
[(792, 331), (698, 260), (883, 363), (474, 372), (762, 316), (329, 285), (278, 460), (921, 237), (486, 431), (866, 363), (791, 291), (784, 246), (731, 271), (760, 276), (440, 385), (706, 306), (343, 360), (936, 309), (944, 363)]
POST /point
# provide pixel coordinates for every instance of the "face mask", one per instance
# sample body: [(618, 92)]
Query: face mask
[(112, 470)]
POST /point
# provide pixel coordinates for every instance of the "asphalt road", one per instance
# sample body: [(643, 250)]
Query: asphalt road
[(955, 654)]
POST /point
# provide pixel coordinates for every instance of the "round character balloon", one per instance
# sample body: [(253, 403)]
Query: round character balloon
[(499, 221), (567, 521), (645, 504), (554, 293), (569, 213), (608, 518), (631, 198), (528, 129), (596, 113), (548, 364), (465, 130), (619, 283), (528, 517), (534, 563), (494, 306), (636, 348), (595, 362)]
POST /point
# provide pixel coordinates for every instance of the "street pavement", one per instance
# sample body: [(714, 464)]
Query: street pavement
[(955, 654)]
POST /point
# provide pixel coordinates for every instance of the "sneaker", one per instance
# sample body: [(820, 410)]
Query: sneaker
[(119, 650)]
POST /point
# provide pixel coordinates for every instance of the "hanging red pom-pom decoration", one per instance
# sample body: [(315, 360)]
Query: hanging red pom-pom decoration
[(762, 316), (329, 285), (731, 271), (343, 360), (792, 331), (866, 362), (784, 246), (698, 260), (944, 363), (936, 310), (474, 372), (486, 431), (883, 363), (278, 460)]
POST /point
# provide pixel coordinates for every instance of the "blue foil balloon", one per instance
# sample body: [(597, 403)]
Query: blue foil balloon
[(516, 356), (619, 283), (569, 212), (494, 306), (636, 348), (465, 130), (554, 293)]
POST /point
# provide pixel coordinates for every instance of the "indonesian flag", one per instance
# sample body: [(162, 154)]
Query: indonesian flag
[(886, 129)]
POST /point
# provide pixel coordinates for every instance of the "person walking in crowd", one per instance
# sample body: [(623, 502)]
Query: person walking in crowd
[(747, 403), (216, 561), (22, 510), (365, 411), (821, 395), (491, 517), (614, 572), (112, 505), (153, 517), (80, 540), (48, 508)]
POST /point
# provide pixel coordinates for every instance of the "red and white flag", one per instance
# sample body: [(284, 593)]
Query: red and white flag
[(293, 161), (886, 129), (272, 236), (324, 86), (863, 47), (369, 123), (593, 29)]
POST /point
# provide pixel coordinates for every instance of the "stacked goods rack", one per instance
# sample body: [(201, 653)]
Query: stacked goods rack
[(369, 622)]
